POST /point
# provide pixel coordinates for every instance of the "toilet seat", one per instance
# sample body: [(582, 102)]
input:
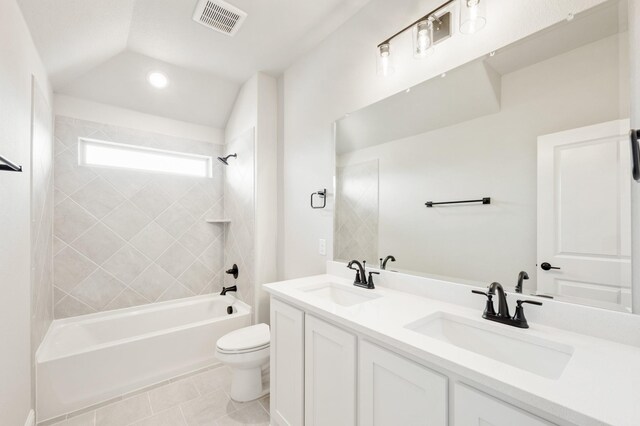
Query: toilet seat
[(244, 340)]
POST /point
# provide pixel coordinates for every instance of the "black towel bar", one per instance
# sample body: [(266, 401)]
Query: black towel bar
[(9, 166), (486, 200)]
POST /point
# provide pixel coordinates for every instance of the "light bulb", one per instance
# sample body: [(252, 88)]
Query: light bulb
[(473, 16), (157, 79), (422, 39), (385, 65)]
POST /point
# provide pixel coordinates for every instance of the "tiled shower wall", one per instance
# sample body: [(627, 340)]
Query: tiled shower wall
[(239, 199), (356, 232), (124, 238)]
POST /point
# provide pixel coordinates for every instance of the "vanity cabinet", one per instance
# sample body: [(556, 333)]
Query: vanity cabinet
[(330, 374), (395, 391), (287, 364), (472, 407), (323, 375)]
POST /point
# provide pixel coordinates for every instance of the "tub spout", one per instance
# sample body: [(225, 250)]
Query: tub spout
[(226, 289)]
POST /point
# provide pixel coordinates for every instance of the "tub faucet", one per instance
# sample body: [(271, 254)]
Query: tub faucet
[(226, 289), (521, 276)]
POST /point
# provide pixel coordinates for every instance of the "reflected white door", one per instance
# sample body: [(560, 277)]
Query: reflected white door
[(584, 215)]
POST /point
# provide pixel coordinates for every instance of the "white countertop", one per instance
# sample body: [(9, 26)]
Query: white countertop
[(600, 384)]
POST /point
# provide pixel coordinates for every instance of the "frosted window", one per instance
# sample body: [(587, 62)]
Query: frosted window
[(108, 154)]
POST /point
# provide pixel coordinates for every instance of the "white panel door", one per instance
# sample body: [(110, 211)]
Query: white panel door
[(475, 408), (395, 391), (584, 214), (330, 375), (287, 365)]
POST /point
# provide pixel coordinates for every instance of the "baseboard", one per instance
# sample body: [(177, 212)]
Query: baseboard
[(31, 419)]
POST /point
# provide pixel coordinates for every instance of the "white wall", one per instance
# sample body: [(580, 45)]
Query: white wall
[(19, 62), (491, 156), (257, 107), (82, 109), (339, 76)]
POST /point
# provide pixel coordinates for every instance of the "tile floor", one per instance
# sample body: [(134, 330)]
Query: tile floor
[(201, 399)]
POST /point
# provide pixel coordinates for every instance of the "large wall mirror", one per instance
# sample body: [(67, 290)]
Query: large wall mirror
[(535, 136)]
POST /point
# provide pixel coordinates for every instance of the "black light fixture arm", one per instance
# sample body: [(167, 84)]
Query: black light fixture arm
[(425, 17)]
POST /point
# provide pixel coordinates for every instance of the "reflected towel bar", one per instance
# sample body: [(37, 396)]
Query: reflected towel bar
[(9, 166), (486, 200)]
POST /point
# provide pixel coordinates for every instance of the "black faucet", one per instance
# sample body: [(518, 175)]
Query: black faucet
[(503, 316), (227, 289), (521, 276), (383, 263), (361, 274)]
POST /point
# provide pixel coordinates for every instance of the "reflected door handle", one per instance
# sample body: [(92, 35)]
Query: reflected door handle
[(546, 266)]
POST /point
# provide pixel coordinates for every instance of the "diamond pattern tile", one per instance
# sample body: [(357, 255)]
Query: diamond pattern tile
[(70, 220), (175, 220), (98, 289), (124, 237), (98, 244), (126, 220), (98, 197), (176, 260), (70, 268), (152, 282), (152, 241), (127, 264)]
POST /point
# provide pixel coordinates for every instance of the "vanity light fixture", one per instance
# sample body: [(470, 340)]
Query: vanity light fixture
[(432, 28), (473, 16), (158, 79), (385, 66), (423, 38)]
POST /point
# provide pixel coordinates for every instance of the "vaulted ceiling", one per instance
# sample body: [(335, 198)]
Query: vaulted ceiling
[(102, 50)]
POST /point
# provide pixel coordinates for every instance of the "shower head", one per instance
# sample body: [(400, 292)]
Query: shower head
[(223, 160)]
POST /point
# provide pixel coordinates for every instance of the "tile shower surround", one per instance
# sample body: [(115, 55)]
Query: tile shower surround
[(356, 235), (125, 238)]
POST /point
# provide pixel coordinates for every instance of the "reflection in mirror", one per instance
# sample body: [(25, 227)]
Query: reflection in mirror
[(540, 127)]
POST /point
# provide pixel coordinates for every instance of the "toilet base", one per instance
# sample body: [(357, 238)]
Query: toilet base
[(246, 384)]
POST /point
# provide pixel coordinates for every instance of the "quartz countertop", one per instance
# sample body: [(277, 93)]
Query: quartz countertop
[(599, 385)]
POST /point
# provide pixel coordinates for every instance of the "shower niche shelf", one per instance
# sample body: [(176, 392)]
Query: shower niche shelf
[(215, 220)]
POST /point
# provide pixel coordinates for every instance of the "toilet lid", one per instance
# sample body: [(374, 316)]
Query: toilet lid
[(255, 336)]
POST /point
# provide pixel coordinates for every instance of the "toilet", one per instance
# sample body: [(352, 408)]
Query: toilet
[(246, 353)]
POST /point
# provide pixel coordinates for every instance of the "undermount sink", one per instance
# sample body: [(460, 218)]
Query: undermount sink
[(536, 355), (340, 294)]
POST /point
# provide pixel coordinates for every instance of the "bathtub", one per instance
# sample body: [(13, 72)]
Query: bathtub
[(86, 360)]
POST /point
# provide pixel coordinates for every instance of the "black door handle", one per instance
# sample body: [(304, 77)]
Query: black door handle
[(635, 154), (546, 266)]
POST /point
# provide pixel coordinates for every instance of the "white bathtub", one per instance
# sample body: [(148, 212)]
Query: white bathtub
[(93, 358)]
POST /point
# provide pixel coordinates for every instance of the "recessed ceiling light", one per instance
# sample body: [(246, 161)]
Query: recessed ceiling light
[(157, 79)]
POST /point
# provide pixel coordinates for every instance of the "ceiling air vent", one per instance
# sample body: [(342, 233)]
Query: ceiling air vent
[(219, 15)]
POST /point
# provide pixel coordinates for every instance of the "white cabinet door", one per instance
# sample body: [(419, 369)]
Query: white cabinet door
[(475, 408), (287, 365), (584, 214), (330, 375), (395, 391)]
